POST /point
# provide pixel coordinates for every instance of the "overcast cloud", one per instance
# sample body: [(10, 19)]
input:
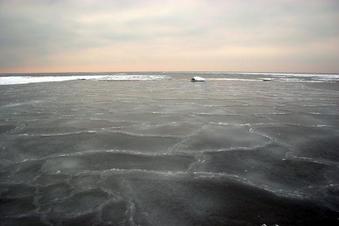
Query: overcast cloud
[(126, 35)]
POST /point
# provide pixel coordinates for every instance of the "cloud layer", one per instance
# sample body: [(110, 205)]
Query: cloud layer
[(126, 35)]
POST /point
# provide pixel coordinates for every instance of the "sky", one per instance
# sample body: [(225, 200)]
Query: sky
[(169, 35)]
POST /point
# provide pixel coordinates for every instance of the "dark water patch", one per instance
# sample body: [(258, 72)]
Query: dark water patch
[(294, 134), (304, 141), (6, 128), (325, 148), (16, 190), (330, 196), (267, 167), (87, 219), (115, 213), (23, 221), (185, 201), (16, 206)]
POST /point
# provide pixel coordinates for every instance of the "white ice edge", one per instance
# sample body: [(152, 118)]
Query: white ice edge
[(320, 76), (233, 79), (14, 80), (278, 79), (287, 77)]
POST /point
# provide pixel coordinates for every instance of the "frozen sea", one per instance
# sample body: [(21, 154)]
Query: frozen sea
[(156, 149)]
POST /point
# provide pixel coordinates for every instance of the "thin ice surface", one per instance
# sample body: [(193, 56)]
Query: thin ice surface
[(164, 151)]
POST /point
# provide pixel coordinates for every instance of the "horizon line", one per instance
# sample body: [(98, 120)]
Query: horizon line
[(170, 71)]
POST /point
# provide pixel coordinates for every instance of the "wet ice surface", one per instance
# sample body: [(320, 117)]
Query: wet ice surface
[(169, 152)]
